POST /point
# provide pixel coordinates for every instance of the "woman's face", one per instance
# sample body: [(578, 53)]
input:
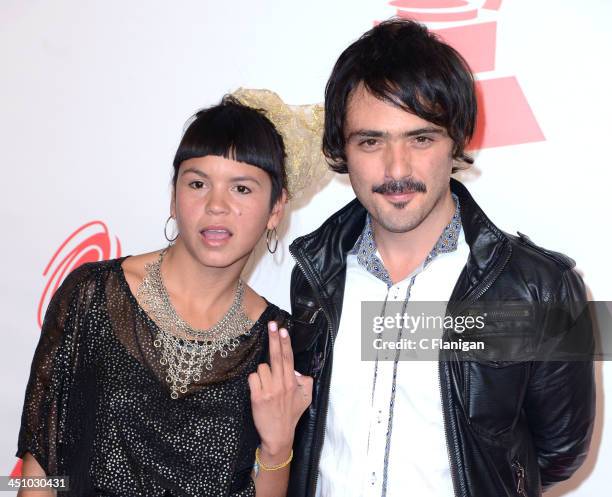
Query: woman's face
[(222, 208)]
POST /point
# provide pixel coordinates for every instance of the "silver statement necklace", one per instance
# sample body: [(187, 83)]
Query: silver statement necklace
[(186, 350)]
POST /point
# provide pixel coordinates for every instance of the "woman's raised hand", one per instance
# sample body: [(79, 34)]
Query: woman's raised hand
[(279, 396)]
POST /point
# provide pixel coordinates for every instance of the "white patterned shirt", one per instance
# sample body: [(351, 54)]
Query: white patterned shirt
[(384, 432)]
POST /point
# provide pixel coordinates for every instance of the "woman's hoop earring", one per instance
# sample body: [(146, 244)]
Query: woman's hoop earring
[(171, 240), (269, 240)]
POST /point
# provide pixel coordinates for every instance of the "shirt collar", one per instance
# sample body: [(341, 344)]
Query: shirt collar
[(366, 251)]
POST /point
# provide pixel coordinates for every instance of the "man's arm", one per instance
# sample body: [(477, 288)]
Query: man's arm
[(560, 402)]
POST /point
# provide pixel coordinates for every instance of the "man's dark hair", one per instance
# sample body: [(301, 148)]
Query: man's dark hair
[(238, 132), (401, 62)]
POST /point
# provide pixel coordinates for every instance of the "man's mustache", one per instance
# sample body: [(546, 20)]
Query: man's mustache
[(407, 185)]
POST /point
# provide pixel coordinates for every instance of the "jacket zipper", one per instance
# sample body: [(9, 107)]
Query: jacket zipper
[(316, 457), (314, 316), (520, 476), (477, 294), (507, 314), (446, 435)]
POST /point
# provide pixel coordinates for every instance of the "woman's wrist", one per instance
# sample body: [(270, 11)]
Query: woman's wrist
[(273, 454)]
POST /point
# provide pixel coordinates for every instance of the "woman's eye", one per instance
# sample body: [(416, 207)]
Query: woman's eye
[(196, 184), (242, 189)]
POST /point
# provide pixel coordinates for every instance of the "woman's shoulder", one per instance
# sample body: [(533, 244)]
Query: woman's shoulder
[(89, 272), (79, 288)]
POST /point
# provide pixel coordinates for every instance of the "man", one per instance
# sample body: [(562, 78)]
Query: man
[(400, 108)]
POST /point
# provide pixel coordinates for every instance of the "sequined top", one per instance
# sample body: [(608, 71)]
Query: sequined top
[(98, 408)]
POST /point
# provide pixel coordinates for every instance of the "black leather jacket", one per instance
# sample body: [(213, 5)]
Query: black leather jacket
[(512, 428)]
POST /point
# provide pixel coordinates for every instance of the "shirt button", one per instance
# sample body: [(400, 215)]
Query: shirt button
[(373, 479)]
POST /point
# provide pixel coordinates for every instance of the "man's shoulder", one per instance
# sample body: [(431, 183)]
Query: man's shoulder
[(524, 247), (540, 271)]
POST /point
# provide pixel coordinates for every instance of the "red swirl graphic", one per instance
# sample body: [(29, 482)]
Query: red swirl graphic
[(90, 243)]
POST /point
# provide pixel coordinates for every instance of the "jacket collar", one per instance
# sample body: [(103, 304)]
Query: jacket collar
[(325, 250)]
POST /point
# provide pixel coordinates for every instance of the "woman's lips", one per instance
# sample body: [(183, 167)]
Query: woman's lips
[(215, 237)]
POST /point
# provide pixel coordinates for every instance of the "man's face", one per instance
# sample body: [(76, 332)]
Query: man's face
[(399, 164)]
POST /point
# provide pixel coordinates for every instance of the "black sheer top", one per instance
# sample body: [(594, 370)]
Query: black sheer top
[(98, 409)]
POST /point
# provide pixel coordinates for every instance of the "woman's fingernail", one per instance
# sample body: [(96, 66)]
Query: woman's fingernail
[(283, 333), (297, 373), (272, 326)]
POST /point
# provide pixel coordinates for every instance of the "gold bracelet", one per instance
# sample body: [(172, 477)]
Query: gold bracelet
[(275, 467)]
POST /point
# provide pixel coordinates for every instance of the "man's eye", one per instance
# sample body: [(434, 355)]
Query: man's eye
[(423, 140), (196, 184), (369, 142), (242, 189)]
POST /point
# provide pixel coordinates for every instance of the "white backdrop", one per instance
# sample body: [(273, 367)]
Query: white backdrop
[(94, 96)]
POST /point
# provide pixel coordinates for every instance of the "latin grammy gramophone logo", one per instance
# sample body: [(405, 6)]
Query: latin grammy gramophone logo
[(470, 26)]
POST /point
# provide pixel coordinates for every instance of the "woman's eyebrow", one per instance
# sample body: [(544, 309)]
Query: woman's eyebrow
[(233, 179), (195, 171), (245, 178)]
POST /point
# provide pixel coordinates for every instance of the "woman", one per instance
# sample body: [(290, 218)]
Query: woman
[(150, 376)]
